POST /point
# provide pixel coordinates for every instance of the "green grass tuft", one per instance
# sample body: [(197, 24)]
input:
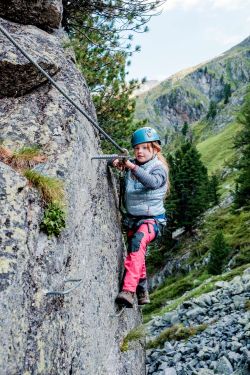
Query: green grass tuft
[(51, 188), (247, 305), (177, 332), (27, 153), (134, 335)]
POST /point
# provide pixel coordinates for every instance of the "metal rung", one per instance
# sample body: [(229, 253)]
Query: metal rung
[(112, 156), (67, 291), (119, 313)]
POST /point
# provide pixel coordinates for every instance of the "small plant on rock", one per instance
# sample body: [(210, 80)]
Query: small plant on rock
[(53, 220), (134, 335), (25, 157), (52, 191), (51, 188), (5, 154)]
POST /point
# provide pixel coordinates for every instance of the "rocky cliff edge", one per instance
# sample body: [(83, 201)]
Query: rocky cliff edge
[(77, 333)]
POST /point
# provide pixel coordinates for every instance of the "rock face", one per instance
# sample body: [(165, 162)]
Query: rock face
[(176, 107), (77, 333), (46, 14), (19, 76)]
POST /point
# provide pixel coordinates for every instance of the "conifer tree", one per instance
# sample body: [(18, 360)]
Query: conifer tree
[(213, 189), (172, 199), (190, 186), (105, 73), (212, 110), (125, 15), (218, 254), (242, 143), (227, 92), (184, 129), (100, 32)]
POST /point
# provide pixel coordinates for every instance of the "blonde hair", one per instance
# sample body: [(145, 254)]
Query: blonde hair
[(156, 147)]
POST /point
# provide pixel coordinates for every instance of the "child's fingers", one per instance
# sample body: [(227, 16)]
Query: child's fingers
[(115, 162), (118, 164)]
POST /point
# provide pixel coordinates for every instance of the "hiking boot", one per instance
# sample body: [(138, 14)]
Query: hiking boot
[(143, 298), (125, 298)]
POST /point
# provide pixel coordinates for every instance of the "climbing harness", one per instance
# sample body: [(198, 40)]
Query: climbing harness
[(67, 291), (131, 222), (12, 40)]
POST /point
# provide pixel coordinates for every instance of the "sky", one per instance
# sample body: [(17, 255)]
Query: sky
[(187, 33)]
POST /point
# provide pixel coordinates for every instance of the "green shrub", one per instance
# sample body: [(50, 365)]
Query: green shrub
[(53, 220), (243, 257)]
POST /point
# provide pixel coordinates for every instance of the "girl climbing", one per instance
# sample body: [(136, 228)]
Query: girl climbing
[(146, 184)]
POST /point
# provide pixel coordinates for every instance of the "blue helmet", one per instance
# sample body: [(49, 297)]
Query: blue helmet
[(144, 135)]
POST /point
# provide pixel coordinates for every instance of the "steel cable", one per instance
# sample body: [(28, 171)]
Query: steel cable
[(5, 32)]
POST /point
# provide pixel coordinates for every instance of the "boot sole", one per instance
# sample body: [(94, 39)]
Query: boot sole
[(123, 302)]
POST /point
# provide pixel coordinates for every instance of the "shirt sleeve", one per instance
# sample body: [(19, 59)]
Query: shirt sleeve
[(153, 179)]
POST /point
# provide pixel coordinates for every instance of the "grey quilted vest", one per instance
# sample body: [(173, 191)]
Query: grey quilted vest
[(142, 201)]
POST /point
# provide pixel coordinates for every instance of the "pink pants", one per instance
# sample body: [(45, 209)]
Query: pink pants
[(135, 261)]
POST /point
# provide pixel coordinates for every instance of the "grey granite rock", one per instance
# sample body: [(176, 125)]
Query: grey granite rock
[(46, 14), (205, 371), (224, 367), (17, 75), (195, 312), (78, 333), (170, 371), (223, 345)]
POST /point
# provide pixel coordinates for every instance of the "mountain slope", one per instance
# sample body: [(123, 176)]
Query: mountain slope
[(186, 96)]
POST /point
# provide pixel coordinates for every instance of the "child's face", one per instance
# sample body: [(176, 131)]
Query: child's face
[(143, 152)]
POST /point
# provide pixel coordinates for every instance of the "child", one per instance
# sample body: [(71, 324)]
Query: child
[(146, 184)]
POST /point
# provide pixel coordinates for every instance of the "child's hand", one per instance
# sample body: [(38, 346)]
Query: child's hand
[(130, 165), (118, 164)]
